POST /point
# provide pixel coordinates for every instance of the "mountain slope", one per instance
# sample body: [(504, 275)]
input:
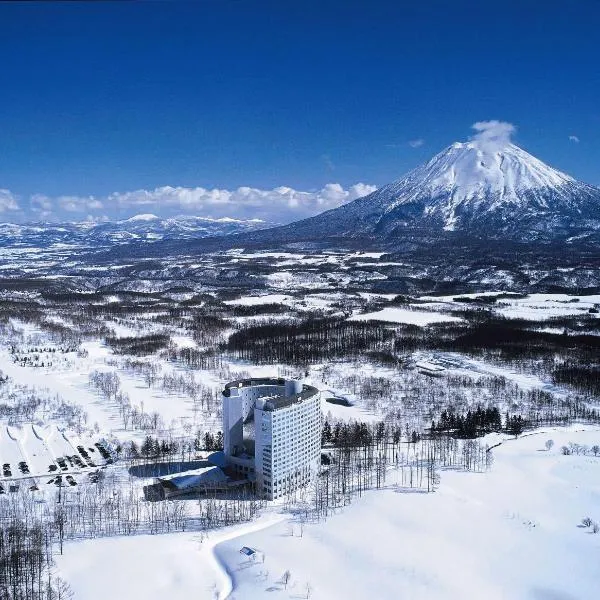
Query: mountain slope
[(470, 189)]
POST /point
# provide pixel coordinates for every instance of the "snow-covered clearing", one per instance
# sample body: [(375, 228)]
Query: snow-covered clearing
[(404, 315), (148, 567), (183, 341), (71, 384), (333, 412), (457, 363), (534, 307), (510, 533), (545, 306), (178, 566), (68, 379), (258, 300)]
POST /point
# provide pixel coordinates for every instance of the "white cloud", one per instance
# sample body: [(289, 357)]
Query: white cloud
[(79, 203), (8, 201), (281, 204), (41, 206), (358, 190), (416, 143), (492, 136), (574, 138), (40, 203)]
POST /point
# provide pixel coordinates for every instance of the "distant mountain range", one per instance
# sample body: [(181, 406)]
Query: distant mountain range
[(141, 228), (469, 190), (472, 217), (480, 192)]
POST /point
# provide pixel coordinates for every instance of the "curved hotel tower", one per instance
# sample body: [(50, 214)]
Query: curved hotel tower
[(272, 430)]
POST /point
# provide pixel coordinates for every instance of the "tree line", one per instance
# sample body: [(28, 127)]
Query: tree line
[(308, 341)]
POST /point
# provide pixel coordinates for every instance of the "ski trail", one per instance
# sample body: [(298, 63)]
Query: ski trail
[(224, 578)]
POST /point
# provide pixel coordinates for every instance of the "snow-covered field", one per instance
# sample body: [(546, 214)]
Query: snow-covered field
[(513, 532), (534, 307), (258, 300), (545, 306), (460, 364), (68, 379), (146, 567), (475, 532), (427, 310), (510, 533), (404, 315)]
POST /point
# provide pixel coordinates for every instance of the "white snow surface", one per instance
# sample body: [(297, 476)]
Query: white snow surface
[(404, 315), (534, 307), (258, 300), (144, 217), (468, 169), (471, 176), (512, 532)]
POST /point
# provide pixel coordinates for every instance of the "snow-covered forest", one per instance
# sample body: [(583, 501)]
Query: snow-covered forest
[(103, 389)]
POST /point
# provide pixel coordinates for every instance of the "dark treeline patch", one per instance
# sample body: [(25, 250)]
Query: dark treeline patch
[(477, 300), (208, 329), (584, 378), (231, 293), (25, 311), (472, 424), (26, 564), (384, 358), (67, 297), (138, 346), (510, 337), (28, 284), (242, 310), (308, 341), (482, 335), (197, 359), (160, 449)]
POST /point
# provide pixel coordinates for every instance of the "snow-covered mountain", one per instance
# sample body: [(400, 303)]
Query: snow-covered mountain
[(473, 189), (140, 228), (469, 188)]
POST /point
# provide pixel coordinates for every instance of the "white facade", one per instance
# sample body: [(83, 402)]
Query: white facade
[(272, 428)]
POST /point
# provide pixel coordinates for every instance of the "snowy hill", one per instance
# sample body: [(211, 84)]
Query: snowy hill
[(144, 217), (140, 228), (470, 188)]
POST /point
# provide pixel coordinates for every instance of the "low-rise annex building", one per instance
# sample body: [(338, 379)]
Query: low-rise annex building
[(272, 432)]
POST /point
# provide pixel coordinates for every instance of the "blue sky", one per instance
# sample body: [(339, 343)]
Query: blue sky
[(103, 104)]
